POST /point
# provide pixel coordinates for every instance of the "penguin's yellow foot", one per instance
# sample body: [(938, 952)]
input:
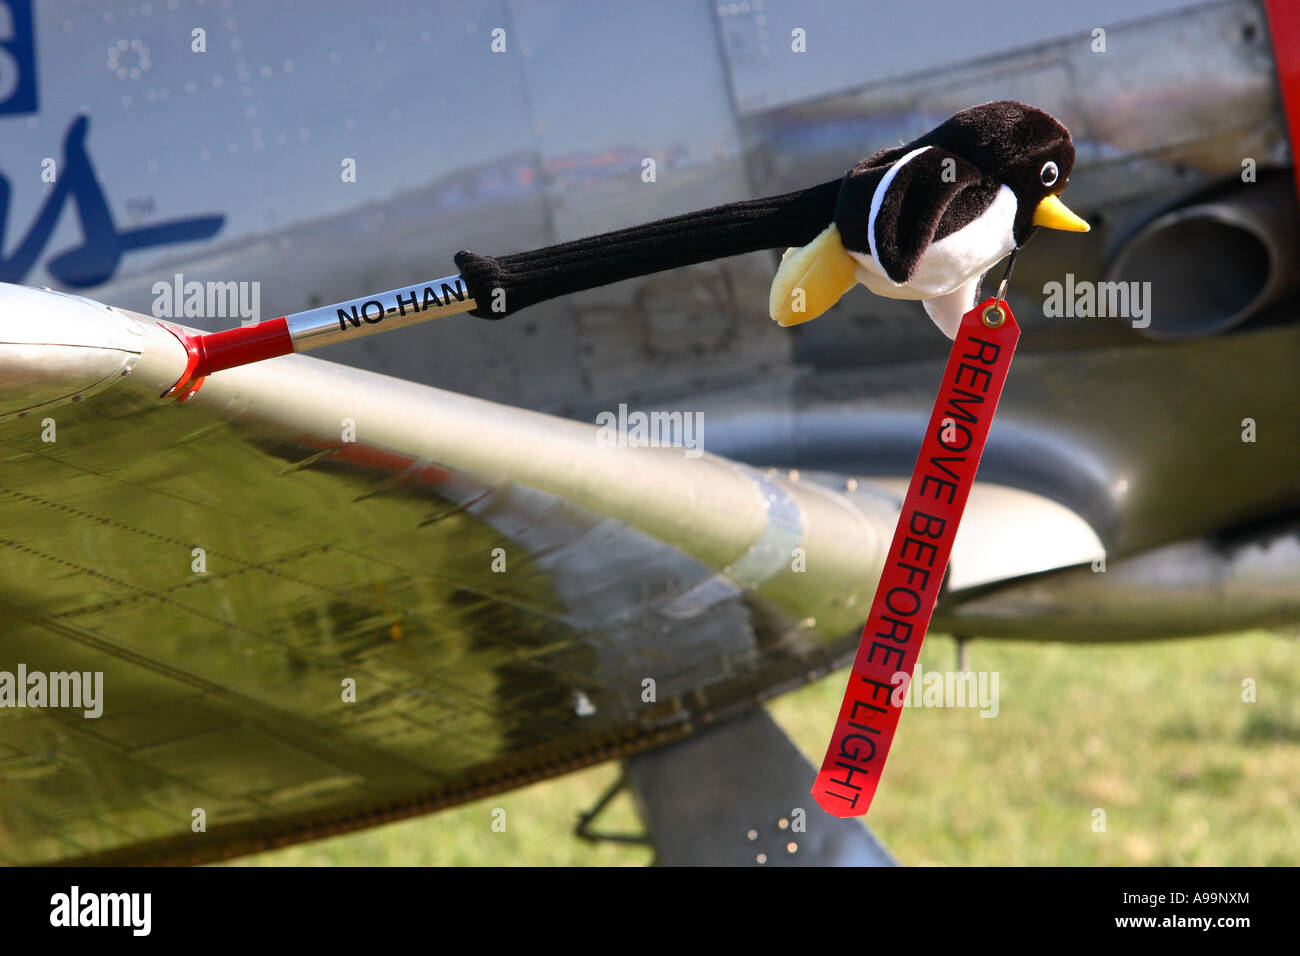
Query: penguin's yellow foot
[(811, 279)]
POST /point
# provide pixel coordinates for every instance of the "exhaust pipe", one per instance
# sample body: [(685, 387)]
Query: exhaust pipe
[(1217, 263)]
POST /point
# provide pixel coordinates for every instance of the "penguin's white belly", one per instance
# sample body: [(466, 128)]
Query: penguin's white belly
[(952, 261)]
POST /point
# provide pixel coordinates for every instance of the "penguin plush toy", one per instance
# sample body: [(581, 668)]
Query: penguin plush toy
[(928, 219), (921, 221)]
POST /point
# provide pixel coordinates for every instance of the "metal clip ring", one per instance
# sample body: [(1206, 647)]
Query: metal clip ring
[(995, 307)]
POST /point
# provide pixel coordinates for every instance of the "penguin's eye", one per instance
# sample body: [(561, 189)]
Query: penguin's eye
[(1049, 174)]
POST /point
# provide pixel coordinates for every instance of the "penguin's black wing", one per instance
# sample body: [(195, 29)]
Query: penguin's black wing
[(894, 212), (853, 203)]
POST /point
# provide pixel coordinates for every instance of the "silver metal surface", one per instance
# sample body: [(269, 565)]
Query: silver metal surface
[(380, 312), (851, 45), (42, 334), (773, 551), (1207, 586)]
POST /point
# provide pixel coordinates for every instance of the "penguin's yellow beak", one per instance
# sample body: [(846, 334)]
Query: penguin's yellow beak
[(1054, 214)]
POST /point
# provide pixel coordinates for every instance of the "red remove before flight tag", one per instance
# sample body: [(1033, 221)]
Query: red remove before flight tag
[(917, 560)]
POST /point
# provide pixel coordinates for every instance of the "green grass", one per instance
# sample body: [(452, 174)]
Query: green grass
[(1156, 735)]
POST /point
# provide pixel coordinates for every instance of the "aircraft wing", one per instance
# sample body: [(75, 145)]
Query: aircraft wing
[(321, 598), (497, 584)]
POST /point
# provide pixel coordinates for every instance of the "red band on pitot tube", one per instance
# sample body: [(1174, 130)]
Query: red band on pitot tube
[(210, 352), (917, 561)]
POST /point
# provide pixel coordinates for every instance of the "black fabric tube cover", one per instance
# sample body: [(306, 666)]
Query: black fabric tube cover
[(776, 222)]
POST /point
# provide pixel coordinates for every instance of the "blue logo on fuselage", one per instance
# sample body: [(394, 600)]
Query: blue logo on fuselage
[(100, 252), (98, 256), (17, 57)]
